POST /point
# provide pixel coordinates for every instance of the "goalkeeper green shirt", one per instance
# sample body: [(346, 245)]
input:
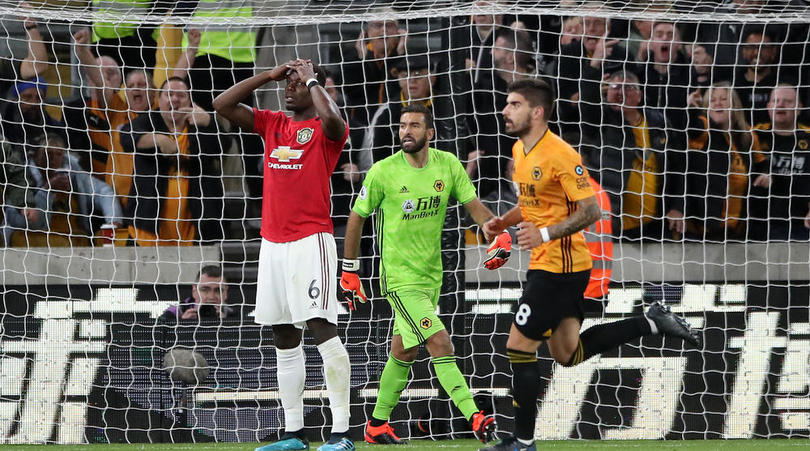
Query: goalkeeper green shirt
[(411, 204)]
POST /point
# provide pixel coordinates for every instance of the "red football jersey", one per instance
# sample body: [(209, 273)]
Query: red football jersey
[(298, 162)]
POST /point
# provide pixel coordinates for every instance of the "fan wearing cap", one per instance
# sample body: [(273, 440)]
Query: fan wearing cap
[(24, 115), (23, 112)]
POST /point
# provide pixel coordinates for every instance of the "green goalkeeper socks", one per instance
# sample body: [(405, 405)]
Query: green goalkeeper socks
[(395, 377), (392, 382), (454, 384)]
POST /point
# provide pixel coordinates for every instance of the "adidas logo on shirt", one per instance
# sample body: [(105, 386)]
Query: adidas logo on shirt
[(404, 189)]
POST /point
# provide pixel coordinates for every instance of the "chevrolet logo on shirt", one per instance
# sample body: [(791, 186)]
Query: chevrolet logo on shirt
[(285, 153)]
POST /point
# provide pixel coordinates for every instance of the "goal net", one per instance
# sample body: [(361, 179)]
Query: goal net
[(688, 115)]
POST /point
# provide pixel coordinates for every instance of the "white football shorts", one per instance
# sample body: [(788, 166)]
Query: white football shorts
[(297, 281)]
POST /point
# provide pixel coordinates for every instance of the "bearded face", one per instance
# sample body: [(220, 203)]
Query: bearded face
[(413, 132)]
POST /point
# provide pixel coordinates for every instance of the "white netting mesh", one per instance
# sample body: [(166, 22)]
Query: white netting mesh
[(86, 355), (321, 12)]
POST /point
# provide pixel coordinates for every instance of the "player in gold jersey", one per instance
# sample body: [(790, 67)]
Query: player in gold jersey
[(555, 203)]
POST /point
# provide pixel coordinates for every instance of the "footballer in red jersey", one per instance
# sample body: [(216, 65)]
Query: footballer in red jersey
[(298, 259)]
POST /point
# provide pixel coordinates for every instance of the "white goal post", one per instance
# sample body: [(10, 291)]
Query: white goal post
[(83, 335)]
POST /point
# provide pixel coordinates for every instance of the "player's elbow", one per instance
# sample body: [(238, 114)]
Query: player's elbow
[(333, 120), (220, 105), (334, 127), (231, 113), (355, 221), (225, 104)]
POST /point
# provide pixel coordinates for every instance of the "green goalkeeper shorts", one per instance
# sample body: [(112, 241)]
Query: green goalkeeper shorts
[(415, 318)]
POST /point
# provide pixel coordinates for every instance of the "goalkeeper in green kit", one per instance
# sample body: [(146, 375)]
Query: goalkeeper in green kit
[(410, 191)]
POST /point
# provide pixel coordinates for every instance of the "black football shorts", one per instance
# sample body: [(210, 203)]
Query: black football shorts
[(547, 299)]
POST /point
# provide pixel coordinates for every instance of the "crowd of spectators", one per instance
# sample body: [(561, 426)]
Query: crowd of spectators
[(694, 130)]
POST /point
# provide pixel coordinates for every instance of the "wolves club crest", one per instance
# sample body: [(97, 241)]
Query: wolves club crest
[(304, 135)]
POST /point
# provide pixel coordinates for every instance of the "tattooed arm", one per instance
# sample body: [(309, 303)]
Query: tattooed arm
[(587, 212)]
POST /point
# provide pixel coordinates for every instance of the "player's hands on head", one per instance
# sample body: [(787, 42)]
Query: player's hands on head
[(499, 251), (350, 284), (304, 68), (279, 72)]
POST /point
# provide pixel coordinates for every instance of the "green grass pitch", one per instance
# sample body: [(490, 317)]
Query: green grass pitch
[(424, 445)]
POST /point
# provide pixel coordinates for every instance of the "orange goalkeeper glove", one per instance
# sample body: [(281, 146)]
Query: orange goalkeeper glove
[(498, 252), (350, 284)]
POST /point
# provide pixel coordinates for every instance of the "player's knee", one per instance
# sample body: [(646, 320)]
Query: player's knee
[(569, 362), (439, 344), (321, 330), (573, 358), (286, 336), (405, 355), (564, 358)]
